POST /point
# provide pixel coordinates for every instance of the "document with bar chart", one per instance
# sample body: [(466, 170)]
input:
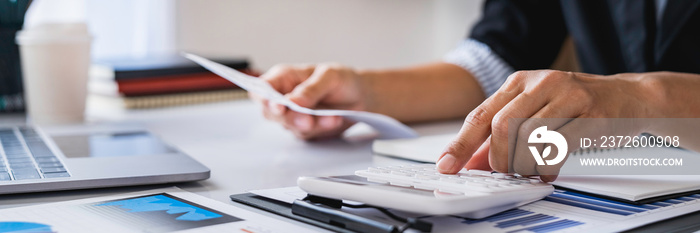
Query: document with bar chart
[(562, 211), (566, 211), (164, 210)]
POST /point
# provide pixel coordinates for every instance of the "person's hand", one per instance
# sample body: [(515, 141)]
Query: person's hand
[(486, 143), (323, 86)]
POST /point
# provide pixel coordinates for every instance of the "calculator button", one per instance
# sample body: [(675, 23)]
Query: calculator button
[(479, 172), (424, 187), (426, 177), (447, 175), (399, 184), (401, 173), (451, 180)]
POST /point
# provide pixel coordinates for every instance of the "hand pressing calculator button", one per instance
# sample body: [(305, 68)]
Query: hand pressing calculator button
[(422, 189)]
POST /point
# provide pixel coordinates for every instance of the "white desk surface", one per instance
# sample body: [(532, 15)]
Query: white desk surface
[(243, 150)]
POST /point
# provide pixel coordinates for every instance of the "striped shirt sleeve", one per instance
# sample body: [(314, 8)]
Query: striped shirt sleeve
[(486, 66)]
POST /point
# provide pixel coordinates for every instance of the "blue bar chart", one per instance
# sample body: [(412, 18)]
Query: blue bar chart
[(566, 210), (24, 227), (160, 213)]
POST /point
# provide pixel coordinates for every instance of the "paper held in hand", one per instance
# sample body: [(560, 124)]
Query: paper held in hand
[(386, 126)]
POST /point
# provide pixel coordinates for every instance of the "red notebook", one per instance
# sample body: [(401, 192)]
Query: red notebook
[(174, 84)]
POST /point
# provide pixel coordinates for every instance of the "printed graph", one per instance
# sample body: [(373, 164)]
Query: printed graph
[(24, 227), (522, 220), (161, 202), (160, 213)]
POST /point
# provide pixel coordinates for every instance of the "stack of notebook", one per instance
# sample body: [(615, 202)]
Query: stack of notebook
[(161, 81)]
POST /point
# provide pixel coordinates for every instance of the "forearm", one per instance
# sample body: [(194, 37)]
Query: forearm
[(676, 98), (422, 93)]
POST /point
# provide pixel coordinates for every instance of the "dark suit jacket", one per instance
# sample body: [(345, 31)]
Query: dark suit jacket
[(611, 36)]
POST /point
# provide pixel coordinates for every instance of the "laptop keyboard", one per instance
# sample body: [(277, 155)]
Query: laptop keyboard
[(25, 156)]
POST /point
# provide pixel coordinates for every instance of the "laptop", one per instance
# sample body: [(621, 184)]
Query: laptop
[(82, 157)]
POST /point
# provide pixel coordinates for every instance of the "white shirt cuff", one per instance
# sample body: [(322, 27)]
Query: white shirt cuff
[(486, 66)]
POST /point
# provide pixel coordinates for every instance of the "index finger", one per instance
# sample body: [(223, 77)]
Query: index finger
[(285, 77), (474, 131)]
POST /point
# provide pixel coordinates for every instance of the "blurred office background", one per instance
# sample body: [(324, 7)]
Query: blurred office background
[(359, 33), (249, 35)]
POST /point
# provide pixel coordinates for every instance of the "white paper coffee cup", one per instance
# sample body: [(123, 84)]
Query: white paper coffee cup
[(55, 61)]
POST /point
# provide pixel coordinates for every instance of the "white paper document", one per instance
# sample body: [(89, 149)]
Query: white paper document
[(161, 210), (423, 149), (388, 127), (562, 211)]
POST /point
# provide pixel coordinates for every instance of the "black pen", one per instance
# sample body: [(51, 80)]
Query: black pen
[(339, 218)]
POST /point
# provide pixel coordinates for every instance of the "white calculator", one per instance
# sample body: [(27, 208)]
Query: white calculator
[(422, 189)]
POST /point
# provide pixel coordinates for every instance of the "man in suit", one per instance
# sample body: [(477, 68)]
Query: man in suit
[(640, 59)]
